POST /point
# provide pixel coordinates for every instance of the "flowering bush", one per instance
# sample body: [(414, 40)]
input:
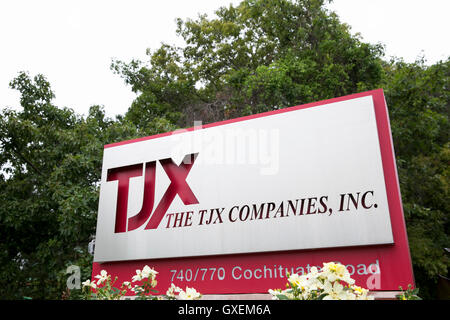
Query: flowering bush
[(103, 288), (189, 294), (333, 282)]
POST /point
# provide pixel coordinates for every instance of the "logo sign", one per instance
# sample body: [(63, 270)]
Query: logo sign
[(178, 186), (225, 204)]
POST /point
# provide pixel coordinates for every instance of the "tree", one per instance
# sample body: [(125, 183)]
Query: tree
[(255, 57), (50, 160), (418, 100)]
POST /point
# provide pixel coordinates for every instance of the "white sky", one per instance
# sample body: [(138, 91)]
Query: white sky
[(73, 42)]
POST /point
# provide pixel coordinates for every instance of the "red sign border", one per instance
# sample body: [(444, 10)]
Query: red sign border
[(397, 273)]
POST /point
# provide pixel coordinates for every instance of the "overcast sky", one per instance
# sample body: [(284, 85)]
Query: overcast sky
[(73, 42)]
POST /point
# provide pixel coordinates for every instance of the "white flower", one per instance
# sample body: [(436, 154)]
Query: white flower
[(315, 284), (294, 279), (336, 271), (335, 291), (102, 277), (148, 272), (88, 283), (361, 293), (172, 290), (327, 284), (137, 277), (189, 294), (314, 272)]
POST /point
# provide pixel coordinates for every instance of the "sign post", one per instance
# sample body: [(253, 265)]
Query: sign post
[(232, 207)]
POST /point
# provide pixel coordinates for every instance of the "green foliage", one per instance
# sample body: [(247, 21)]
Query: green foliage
[(50, 162), (250, 58), (255, 57), (418, 100), (409, 294)]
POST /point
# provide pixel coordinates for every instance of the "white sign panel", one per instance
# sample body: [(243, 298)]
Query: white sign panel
[(299, 179)]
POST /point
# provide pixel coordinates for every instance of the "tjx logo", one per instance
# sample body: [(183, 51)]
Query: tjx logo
[(178, 185)]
